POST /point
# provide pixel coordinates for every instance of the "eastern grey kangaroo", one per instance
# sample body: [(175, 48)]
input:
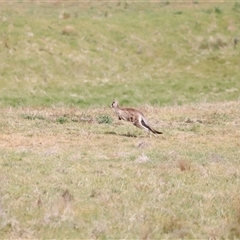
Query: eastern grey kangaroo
[(133, 115)]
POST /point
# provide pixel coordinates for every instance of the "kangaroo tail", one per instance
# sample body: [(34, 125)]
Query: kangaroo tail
[(149, 128)]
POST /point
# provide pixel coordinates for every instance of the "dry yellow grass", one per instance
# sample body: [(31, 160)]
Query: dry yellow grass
[(65, 175)]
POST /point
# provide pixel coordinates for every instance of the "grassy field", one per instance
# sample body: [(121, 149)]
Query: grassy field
[(83, 54), (70, 169), (68, 173)]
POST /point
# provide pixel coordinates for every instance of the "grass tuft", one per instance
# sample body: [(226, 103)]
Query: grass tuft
[(69, 30), (33, 117), (104, 119), (62, 119), (184, 165)]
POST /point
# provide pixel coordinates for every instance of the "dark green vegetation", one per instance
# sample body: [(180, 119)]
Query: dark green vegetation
[(85, 54)]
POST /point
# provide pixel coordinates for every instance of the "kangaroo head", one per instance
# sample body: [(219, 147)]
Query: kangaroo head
[(114, 104)]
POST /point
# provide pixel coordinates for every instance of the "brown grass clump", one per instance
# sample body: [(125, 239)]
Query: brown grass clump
[(184, 165), (69, 30), (235, 225), (67, 196), (65, 15)]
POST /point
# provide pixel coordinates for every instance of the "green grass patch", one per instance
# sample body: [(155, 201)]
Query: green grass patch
[(139, 52)]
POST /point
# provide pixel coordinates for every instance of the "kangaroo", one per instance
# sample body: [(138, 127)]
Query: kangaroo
[(133, 115)]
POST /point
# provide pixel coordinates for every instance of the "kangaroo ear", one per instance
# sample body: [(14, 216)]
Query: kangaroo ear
[(115, 101), (114, 104)]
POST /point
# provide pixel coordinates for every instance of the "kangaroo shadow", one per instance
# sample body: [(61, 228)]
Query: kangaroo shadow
[(130, 135)]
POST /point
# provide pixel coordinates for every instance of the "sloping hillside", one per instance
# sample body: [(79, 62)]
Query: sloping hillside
[(84, 54)]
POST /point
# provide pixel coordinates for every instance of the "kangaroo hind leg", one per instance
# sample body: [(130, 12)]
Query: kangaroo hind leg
[(141, 125)]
